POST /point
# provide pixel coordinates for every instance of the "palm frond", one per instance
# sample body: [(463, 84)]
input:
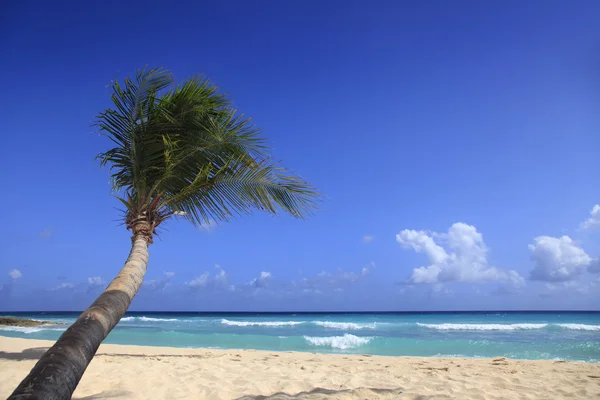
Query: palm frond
[(189, 152), (238, 187)]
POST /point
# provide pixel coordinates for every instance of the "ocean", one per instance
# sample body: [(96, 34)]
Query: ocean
[(522, 335)]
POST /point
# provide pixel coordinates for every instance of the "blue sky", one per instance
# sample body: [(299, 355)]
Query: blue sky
[(457, 148)]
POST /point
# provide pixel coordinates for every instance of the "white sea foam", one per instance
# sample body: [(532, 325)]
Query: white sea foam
[(148, 319), (260, 323), (580, 327), (338, 342), (28, 329), (343, 325), (482, 327)]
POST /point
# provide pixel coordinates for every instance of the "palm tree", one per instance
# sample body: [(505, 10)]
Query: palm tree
[(180, 152)]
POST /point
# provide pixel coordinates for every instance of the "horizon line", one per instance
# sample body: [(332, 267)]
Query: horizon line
[(320, 312)]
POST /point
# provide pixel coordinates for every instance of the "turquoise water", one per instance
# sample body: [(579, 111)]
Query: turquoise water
[(526, 335)]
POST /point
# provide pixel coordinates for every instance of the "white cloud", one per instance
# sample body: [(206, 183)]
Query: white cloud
[(265, 275), (95, 280), (222, 279), (261, 281), (515, 279), (559, 259), (15, 274), (169, 274), (200, 281), (367, 269), (593, 222), (368, 239), (218, 282), (461, 256), (221, 275)]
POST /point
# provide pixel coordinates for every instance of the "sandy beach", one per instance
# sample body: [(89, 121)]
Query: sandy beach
[(138, 372)]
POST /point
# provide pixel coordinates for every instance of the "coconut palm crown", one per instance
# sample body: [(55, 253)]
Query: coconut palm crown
[(184, 151)]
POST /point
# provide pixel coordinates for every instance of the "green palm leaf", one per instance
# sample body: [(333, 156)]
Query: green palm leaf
[(188, 152)]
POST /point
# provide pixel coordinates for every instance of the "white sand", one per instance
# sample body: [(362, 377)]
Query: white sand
[(138, 372)]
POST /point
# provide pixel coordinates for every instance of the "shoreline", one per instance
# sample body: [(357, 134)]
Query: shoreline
[(172, 372), (216, 349)]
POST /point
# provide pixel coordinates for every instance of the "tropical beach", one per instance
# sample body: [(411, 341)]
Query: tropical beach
[(498, 355), (294, 200), (140, 372)]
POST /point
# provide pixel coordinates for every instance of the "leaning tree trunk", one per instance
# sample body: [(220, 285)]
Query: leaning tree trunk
[(57, 373)]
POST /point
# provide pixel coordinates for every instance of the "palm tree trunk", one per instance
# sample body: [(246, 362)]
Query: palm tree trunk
[(57, 373)]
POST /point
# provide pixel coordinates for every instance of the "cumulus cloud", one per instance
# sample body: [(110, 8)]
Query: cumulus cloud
[(221, 280), (368, 239), (593, 222), (95, 280), (218, 282), (169, 274), (559, 259), (15, 274), (460, 256), (199, 281), (261, 281)]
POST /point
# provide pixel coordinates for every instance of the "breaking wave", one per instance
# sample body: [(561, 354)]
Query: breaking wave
[(260, 323), (343, 325), (580, 327), (338, 342), (148, 319), (482, 327)]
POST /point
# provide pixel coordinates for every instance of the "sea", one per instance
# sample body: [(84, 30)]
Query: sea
[(521, 335)]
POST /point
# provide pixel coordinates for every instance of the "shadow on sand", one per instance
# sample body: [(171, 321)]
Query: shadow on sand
[(316, 394), (320, 393), (28, 354)]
